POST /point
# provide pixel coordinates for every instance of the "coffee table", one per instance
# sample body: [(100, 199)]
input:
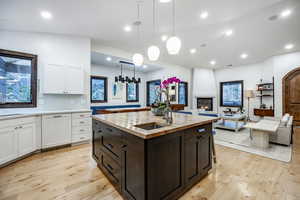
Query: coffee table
[(232, 122), (260, 132)]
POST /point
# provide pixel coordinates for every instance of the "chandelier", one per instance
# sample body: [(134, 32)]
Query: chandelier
[(126, 79)]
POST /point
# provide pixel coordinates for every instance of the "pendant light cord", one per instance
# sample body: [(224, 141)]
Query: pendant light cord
[(173, 17), (154, 27)]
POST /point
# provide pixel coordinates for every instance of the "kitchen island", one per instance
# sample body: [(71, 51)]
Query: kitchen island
[(144, 158)]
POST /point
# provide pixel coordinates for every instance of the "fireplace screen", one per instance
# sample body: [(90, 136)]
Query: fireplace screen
[(205, 103)]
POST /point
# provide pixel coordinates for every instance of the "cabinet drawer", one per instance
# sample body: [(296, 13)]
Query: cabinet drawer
[(80, 137), (81, 122), (111, 141), (111, 169), (77, 130), (81, 115), (198, 131)]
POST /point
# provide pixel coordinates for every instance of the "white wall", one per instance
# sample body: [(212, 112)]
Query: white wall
[(110, 73), (54, 49), (277, 66), (183, 73), (204, 85)]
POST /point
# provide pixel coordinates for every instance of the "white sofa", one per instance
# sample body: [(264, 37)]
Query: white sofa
[(284, 132)]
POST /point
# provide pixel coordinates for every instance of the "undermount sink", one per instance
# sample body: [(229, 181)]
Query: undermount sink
[(150, 126)]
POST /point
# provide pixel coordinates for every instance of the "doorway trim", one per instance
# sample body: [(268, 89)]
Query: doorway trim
[(288, 75)]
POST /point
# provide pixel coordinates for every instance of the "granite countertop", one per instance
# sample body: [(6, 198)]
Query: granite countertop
[(19, 113), (127, 122)]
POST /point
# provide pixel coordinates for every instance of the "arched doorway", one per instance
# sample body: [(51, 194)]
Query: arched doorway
[(291, 94)]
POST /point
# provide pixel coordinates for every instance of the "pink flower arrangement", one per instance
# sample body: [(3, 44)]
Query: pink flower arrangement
[(166, 83)]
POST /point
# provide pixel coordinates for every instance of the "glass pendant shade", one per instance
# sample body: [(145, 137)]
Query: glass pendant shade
[(173, 45), (137, 59), (153, 53)]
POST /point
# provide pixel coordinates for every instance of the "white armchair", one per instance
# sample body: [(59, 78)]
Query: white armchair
[(284, 132)]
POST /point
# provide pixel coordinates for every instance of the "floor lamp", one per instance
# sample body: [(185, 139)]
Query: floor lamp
[(249, 94)]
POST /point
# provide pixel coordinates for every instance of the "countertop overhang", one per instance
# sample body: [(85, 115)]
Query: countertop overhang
[(127, 122)]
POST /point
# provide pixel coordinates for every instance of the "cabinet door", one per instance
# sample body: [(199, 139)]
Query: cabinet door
[(97, 131), (74, 82), (133, 168), (27, 141), (8, 144), (205, 147), (191, 150), (56, 130), (53, 79)]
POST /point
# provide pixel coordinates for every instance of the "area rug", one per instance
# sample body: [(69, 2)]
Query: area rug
[(241, 141)]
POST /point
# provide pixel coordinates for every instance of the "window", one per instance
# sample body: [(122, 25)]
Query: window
[(231, 94), (98, 89), (183, 93), (18, 79), (132, 92), (152, 95)]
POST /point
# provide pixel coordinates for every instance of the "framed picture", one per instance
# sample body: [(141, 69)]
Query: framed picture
[(232, 94), (117, 89)]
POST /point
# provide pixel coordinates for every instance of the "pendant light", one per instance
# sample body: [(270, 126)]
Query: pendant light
[(138, 58), (174, 42), (153, 51)]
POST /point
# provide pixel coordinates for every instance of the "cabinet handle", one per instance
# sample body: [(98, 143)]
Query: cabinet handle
[(109, 129), (20, 126), (201, 130), (199, 137), (109, 166), (111, 146), (81, 115), (82, 138), (124, 146), (81, 130), (82, 122), (57, 116)]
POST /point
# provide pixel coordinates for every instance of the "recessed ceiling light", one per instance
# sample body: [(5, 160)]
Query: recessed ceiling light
[(145, 66), (228, 32), (285, 13), (164, 38), (165, 1), (204, 15), (127, 28), (289, 46), (213, 62), (193, 51), (244, 56), (46, 15), (108, 59)]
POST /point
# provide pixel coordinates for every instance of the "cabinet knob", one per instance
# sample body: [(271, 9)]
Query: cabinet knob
[(124, 146), (199, 137), (111, 146), (201, 130), (110, 167)]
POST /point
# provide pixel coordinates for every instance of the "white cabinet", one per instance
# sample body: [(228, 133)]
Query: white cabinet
[(81, 127), (27, 141), (17, 138), (60, 79), (56, 130), (8, 144)]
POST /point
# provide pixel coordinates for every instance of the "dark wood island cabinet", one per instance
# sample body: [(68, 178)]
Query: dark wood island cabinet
[(163, 164)]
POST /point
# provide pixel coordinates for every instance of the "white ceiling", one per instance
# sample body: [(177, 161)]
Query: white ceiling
[(103, 21), (100, 59)]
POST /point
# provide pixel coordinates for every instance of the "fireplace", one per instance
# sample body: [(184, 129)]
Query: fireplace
[(205, 103)]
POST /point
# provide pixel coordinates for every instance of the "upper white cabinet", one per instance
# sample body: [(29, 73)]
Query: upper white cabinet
[(60, 79)]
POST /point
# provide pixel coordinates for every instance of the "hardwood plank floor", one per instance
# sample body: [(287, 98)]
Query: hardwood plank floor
[(71, 174)]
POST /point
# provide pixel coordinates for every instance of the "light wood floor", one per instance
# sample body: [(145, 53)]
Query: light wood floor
[(72, 174)]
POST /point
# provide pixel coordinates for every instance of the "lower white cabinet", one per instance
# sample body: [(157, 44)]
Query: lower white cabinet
[(81, 127), (27, 141), (8, 144), (17, 138), (56, 130)]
